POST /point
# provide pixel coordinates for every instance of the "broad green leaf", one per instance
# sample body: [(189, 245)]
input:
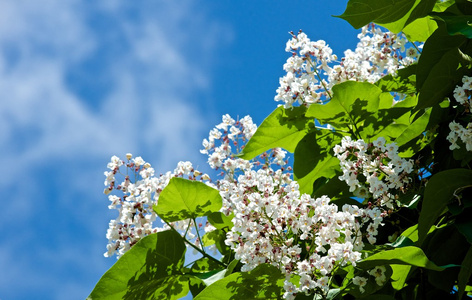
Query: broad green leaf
[(216, 237), (204, 265), (464, 273), (438, 193), (220, 220), (456, 24), (400, 275), (410, 255), (464, 7), (404, 82), (463, 222), (211, 277), (378, 297), (362, 12), (420, 29), (414, 129), (442, 6), (151, 269), (283, 128), (212, 237), (420, 9), (441, 80), (402, 241), (183, 199), (264, 282), (352, 103), (196, 285), (332, 187), (447, 248), (232, 266), (438, 44), (389, 122), (313, 158), (411, 233)]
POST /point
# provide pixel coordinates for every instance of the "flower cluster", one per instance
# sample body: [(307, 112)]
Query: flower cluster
[(459, 132), (312, 72), (301, 84), (138, 194), (226, 135), (462, 94), (228, 139), (377, 54), (274, 223), (373, 169)]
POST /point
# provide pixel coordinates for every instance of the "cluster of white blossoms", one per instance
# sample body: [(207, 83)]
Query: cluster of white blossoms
[(228, 139), (137, 195), (225, 140), (274, 223), (302, 83), (373, 169), (462, 94), (313, 69), (378, 53)]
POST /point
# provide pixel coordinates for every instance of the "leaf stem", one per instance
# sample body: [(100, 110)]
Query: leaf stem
[(198, 235), (195, 247)]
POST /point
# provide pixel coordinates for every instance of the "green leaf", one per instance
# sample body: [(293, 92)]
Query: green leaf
[(420, 29), (151, 269), (404, 82), (463, 223), (205, 265), (441, 80), (333, 294), (419, 9), (414, 129), (389, 121), (352, 103), (400, 275), (379, 297), (464, 273), (438, 192), (410, 255), (212, 276), (264, 282), (438, 44), (411, 233), (183, 199), (313, 158), (220, 220), (283, 128), (456, 24), (447, 248), (362, 12), (232, 266), (402, 241), (212, 237), (442, 6), (333, 188), (464, 7)]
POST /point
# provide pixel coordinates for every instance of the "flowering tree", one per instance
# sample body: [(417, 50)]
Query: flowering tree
[(376, 205)]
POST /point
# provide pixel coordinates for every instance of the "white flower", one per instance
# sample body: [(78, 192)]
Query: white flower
[(361, 282), (379, 274)]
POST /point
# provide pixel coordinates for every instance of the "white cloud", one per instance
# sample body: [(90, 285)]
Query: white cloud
[(143, 53)]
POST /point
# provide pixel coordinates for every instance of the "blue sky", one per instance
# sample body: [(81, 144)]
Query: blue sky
[(81, 81)]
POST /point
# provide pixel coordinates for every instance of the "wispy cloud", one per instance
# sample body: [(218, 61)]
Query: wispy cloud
[(78, 82)]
